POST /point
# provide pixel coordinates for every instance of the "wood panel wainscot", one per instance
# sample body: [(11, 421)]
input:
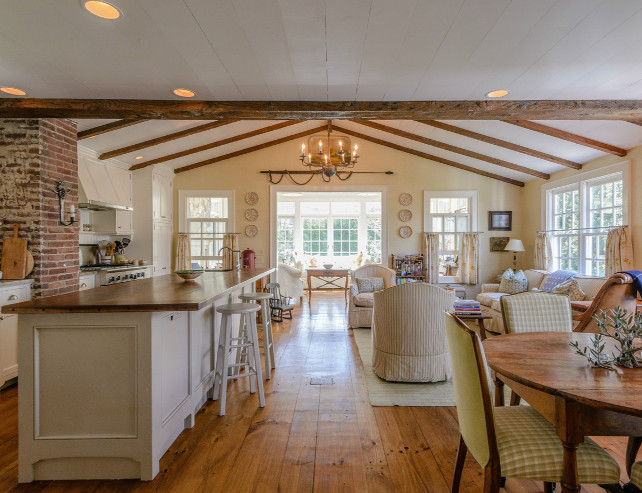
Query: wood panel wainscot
[(111, 376)]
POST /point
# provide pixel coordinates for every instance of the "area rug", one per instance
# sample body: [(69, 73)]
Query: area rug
[(383, 393)]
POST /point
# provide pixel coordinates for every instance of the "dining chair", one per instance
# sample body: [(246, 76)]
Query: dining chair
[(279, 305), (636, 474), (533, 312), (509, 442)]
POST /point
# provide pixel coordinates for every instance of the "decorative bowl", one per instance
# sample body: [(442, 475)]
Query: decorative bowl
[(189, 275), (327, 266)]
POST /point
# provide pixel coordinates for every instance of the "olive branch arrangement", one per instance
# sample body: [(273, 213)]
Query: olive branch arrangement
[(622, 328)]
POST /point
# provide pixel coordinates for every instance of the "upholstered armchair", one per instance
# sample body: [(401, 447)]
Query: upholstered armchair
[(360, 306), (408, 338), (290, 280)]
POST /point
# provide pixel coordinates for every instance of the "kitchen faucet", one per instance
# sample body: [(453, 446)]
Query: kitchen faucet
[(236, 255)]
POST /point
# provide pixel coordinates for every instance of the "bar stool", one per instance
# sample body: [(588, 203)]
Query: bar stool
[(266, 327), (246, 340)]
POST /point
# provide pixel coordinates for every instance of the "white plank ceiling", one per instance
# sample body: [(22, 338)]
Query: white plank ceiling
[(334, 50)]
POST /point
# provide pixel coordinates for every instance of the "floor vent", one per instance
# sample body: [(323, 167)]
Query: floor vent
[(321, 381)]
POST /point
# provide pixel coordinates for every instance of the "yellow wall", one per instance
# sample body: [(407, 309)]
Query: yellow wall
[(412, 175), (532, 201)]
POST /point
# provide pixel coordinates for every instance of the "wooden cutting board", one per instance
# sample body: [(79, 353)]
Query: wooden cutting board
[(14, 256)]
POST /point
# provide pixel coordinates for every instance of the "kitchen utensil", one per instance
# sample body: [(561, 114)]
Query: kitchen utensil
[(14, 256), (126, 242), (119, 246), (30, 264)]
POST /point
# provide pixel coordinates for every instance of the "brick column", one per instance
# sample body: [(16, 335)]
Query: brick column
[(34, 155)]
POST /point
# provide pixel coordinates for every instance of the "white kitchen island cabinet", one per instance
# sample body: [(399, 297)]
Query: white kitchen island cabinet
[(111, 376)]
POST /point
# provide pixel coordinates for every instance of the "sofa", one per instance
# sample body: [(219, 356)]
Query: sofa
[(360, 304), (489, 298)]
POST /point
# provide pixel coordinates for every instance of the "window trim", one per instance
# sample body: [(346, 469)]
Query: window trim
[(184, 194), (581, 182), (382, 189), (473, 195)]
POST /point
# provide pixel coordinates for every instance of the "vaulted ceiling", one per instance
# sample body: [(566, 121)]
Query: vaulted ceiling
[(338, 50)]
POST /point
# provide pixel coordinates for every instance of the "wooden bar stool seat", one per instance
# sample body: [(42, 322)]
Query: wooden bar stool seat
[(247, 342), (265, 327)]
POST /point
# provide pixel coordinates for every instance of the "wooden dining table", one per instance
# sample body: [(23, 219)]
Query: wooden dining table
[(576, 398)]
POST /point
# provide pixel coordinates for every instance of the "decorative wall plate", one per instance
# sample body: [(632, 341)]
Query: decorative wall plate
[(405, 231), (251, 214), (405, 215), (251, 198), (405, 199), (251, 230)]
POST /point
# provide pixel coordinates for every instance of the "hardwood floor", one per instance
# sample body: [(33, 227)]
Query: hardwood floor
[(323, 438)]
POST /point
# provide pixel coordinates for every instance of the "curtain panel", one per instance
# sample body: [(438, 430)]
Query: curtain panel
[(543, 252), (431, 257), (619, 251), (469, 258), (183, 254)]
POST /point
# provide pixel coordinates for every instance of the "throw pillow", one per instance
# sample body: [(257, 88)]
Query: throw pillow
[(555, 278), (369, 284), (570, 288), (517, 283)]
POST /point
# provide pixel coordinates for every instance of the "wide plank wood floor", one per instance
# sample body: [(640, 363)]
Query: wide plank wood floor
[(324, 438)]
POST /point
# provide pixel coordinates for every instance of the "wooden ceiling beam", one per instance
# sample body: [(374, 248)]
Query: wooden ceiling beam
[(322, 110), (576, 139), (251, 149), (164, 139), (108, 127), (501, 143), (218, 143), (448, 147), (430, 157)]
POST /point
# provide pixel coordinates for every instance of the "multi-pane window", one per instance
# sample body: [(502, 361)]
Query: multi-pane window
[(449, 214), (579, 216), (330, 227), (206, 218), (315, 236), (346, 237)]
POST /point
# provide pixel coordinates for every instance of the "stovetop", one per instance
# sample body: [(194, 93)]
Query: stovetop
[(91, 267)]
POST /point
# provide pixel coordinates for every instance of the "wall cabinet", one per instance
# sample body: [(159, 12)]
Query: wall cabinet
[(113, 222), (162, 197), (161, 257), (10, 292)]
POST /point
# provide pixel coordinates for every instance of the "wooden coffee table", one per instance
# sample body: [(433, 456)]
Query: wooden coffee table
[(332, 273), (480, 322)]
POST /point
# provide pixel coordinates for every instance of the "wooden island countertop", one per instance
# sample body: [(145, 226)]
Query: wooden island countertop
[(163, 293)]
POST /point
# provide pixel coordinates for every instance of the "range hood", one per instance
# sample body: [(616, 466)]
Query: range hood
[(101, 187)]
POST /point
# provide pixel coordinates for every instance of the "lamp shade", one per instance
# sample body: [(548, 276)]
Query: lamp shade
[(514, 245)]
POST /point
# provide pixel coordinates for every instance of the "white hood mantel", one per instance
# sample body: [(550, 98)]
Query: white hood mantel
[(102, 186)]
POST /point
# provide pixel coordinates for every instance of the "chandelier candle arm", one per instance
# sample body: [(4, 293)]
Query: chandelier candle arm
[(335, 158)]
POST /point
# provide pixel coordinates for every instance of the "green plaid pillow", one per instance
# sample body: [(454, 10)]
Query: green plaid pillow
[(369, 284)]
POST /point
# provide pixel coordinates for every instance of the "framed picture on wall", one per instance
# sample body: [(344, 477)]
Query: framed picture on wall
[(498, 243), (500, 220)]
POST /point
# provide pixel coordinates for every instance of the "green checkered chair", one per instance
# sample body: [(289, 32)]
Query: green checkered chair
[(534, 312), (513, 441), (636, 474)]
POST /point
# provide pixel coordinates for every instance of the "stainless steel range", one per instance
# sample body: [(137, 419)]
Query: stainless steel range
[(115, 274)]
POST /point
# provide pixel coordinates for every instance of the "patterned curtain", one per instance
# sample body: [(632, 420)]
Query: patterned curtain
[(469, 258), (431, 257), (183, 254), (543, 252), (230, 240), (619, 251)]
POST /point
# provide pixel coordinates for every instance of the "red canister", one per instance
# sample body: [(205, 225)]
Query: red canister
[(248, 258)]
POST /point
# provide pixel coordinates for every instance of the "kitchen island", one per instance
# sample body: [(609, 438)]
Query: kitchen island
[(110, 376)]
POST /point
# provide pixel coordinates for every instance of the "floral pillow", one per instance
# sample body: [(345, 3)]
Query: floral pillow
[(570, 288), (513, 282), (369, 284)]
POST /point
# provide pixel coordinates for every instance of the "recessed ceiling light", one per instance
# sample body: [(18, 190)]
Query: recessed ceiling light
[(93, 136), (184, 93), (138, 157), (13, 90), (104, 10), (499, 93)]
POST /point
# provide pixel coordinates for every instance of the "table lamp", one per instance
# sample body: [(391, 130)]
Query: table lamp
[(514, 246)]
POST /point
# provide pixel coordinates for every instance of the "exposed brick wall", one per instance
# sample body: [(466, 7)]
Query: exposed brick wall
[(34, 155)]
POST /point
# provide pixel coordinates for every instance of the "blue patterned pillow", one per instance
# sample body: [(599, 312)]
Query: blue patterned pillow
[(555, 278), (513, 282)]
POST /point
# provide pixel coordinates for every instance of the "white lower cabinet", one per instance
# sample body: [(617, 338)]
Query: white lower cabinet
[(10, 292), (86, 281)]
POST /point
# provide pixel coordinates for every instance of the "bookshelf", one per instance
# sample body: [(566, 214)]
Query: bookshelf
[(408, 268)]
